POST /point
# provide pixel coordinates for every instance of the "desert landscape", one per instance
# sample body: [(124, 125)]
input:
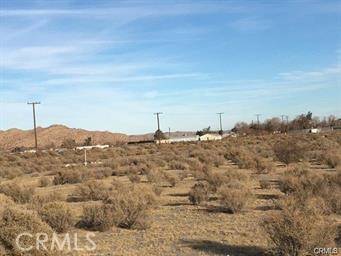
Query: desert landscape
[(170, 128), (245, 195)]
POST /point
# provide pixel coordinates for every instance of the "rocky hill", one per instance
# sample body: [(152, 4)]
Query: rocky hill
[(55, 135)]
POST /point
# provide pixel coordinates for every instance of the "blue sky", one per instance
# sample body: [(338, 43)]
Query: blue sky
[(108, 65)]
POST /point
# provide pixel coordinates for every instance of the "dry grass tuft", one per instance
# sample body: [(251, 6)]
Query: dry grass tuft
[(57, 215)]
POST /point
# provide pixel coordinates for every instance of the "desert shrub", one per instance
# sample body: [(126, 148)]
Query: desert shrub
[(96, 218), (171, 179), (215, 180), (298, 228), (263, 165), (5, 200), (177, 165), (234, 196), (15, 221), (243, 158), (19, 194), (264, 184), (57, 215), (199, 193), (10, 172), (102, 173), (44, 182), (289, 151), (299, 180), (71, 176), (92, 190), (305, 184), (157, 190), (331, 195), (38, 201), (332, 158), (194, 164), (155, 176), (134, 178), (130, 206)]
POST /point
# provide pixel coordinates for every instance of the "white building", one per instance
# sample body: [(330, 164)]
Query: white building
[(91, 147), (210, 136)]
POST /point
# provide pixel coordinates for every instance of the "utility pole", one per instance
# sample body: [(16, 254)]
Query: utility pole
[(85, 159), (282, 116), (34, 123), (258, 115), (158, 119), (221, 125), (169, 132)]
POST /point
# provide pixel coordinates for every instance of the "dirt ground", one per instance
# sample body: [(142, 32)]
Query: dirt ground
[(180, 228)]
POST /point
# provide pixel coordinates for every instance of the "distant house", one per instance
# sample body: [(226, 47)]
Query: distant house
[(91, 147), (314, 130), (183, 138), (210, 137)]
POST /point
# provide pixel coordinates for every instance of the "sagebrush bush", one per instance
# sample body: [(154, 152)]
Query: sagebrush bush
[(96, 218), (199, 193), (127, 207), (44, 182), (304, 184), (332, 158), (171, 179), (19, 194), (38, 201), (92, 190), (298, 228), (15, 221), (263, 165), (71, 176), (155, 176), (5, 201), (57, 215), (134, 178), (130, 206), (289, 151), (234, 196), (264, 184)]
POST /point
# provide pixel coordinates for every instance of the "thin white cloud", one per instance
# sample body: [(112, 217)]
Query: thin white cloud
[(130, 11), (251, 24)]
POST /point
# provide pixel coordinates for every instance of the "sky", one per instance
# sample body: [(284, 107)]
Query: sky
[(109, 65)]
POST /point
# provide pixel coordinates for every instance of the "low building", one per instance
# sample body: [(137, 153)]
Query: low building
[(314, 130), (178, 139), (91, 147), (210, 136)]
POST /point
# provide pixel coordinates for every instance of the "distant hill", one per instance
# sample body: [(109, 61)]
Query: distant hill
[(56, 134)]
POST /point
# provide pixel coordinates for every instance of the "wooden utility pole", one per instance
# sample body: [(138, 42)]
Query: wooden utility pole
[(158, 119), (221, 124), (258, 115), (34, 123)]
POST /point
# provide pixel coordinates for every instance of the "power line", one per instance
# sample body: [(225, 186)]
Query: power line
[(34, 122), (158, 119)]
